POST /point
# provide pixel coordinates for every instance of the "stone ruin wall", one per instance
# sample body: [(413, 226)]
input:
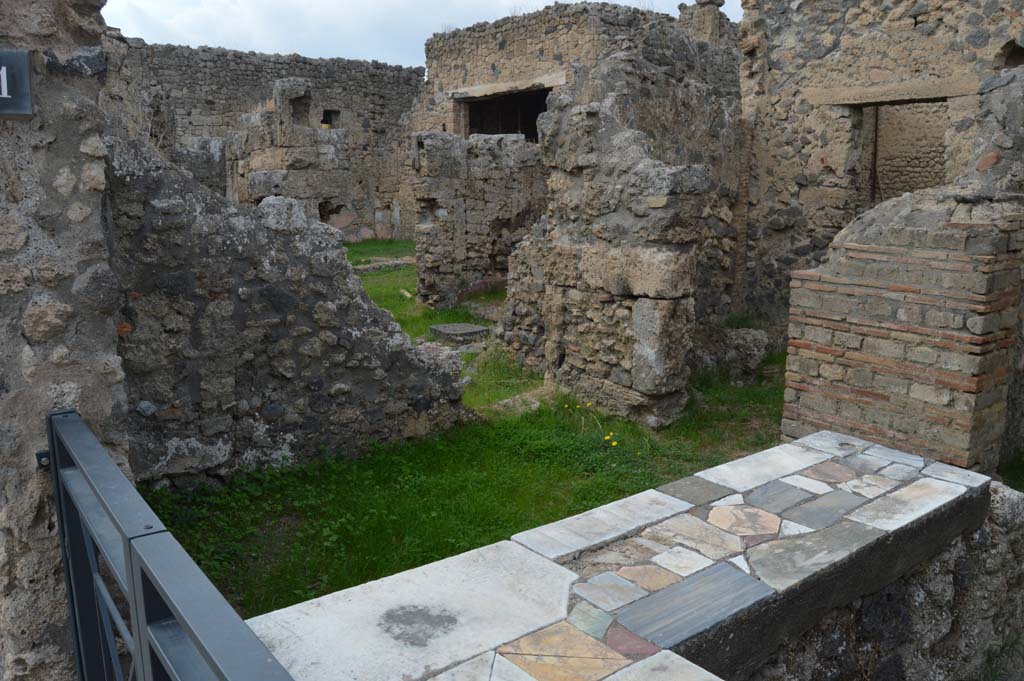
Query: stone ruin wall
[(812, 72), (910, 333), (476, 199), (956, 617), (186, 101), (57, 341), (506, 55), (636, 252), (246, 336), (194, 336), (270, 155)]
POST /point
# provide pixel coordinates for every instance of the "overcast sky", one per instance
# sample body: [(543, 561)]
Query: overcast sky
[(391, 31)]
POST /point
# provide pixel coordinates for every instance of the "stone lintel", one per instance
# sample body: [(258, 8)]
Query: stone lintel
[(907, 91), (539, 82)]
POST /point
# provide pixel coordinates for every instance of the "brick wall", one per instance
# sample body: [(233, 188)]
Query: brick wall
[(906, 335)]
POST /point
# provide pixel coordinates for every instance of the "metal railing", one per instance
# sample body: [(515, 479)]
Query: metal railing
[(176, 626)]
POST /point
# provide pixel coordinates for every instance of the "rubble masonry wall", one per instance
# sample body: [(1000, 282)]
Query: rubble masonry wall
[(810, 71), (636, 249), (476, 199), (910, 333), (185, 101)]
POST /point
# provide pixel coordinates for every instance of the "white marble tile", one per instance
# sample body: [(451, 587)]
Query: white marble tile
[(791, 529), (898, 471), (682, 561), (896, 456), (757, 469), (477, 669), (865, 488), (731, 500), (565, 539), (506, 671), (961, 476), (835, 444), (907, 504), (808, 484), (741, 563), (665, 666), (409, 624)]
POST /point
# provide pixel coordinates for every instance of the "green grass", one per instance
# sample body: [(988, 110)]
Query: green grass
[(496, 376), (385, 288), (375, 249), (270, 539)]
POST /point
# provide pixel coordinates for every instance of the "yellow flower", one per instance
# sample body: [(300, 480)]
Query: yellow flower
[(607, 437), (566, 406), (615, 444), (577, 406), (590, 404)]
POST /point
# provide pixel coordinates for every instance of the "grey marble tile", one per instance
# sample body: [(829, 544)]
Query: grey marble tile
[(825, 510), (590, 620), (608, 591), (898, 471), (700, 601), (865, 463), (785, 562), (777, 496), (696, 491)]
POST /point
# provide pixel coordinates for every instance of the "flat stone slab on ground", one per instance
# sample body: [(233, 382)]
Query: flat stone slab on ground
[(665, 666), (758, 469), (699, 602), (420, 621), (461, 333), (565, 539)]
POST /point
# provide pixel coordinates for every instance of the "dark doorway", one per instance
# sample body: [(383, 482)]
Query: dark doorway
[(516, 112)]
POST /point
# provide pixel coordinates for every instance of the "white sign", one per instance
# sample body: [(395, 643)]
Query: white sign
[(3, 83)]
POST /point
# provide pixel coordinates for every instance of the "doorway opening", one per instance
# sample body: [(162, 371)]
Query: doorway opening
[(511, 113)]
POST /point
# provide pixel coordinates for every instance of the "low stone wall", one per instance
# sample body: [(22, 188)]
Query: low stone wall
[(246, 336), (476, 200), (828, 558), (957, 617)]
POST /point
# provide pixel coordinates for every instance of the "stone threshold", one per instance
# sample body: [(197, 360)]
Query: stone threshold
[(699, 580)]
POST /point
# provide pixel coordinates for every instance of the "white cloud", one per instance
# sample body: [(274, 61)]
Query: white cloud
[(392, 31)]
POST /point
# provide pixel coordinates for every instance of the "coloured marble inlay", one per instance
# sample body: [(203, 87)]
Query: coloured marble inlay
[(608, 594)]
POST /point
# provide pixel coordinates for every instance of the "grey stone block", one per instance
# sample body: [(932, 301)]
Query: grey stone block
[(825, 510), (696, 604), (696, 491), (777, 496)]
